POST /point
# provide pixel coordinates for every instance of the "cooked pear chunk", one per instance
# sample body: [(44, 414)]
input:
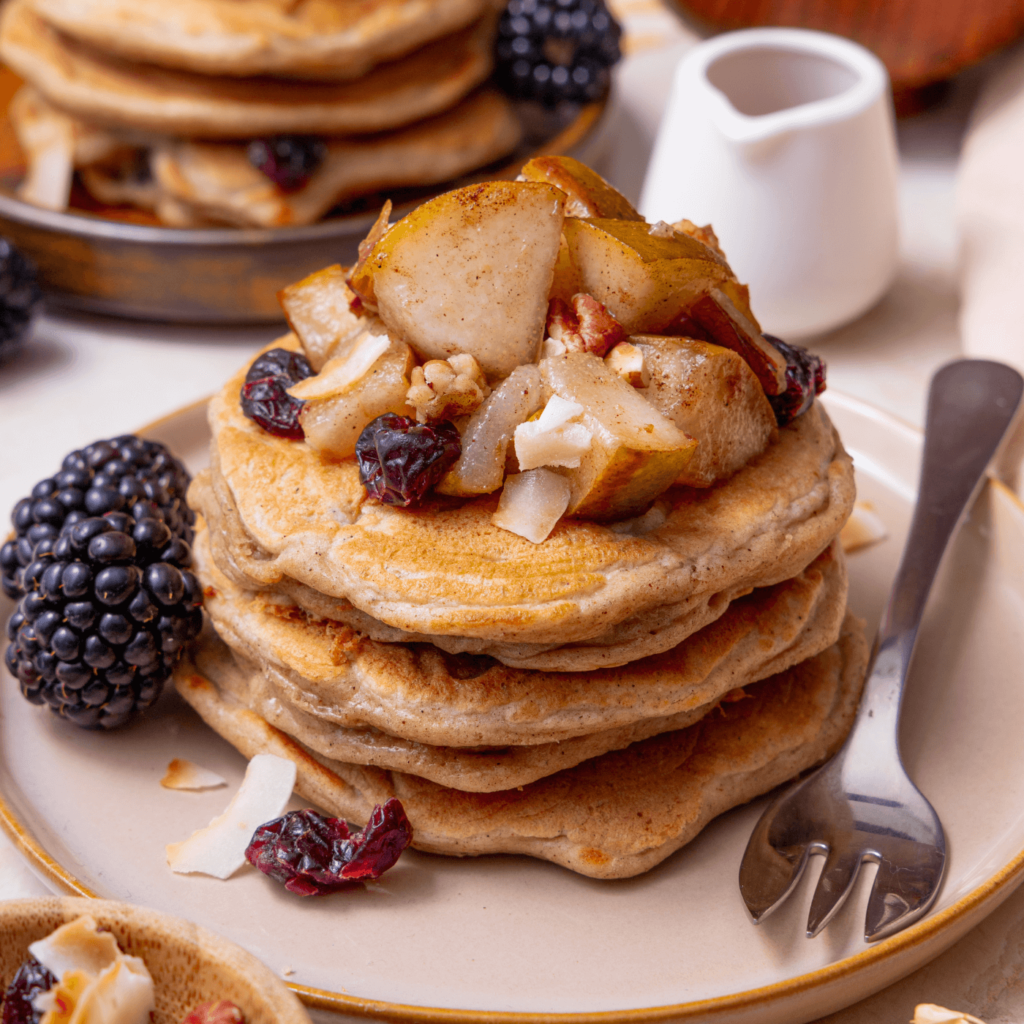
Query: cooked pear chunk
[(711, 393), (486, 436), (728, 326), (332, 425), (470, 271), (645, 281), (636, 451), (318, 311), (532, 503), (589, 194)]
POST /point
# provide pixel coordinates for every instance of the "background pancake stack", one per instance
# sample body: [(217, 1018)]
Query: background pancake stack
[(593, 700), (257, 114)]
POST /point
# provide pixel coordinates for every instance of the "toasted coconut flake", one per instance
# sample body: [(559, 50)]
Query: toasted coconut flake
[(219, 849), (183, 774), (863, 528)]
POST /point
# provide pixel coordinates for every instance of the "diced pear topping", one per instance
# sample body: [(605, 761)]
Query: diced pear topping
[(553, 439), (485, 438), (345, 370), (532, 503), (728, 326), (712, 394), (332, 425), (359, 279), (628, 362), (470, 271), (703, 233), (443, 389), (636, 452), (589, 194), (319, 311), (644, 281)]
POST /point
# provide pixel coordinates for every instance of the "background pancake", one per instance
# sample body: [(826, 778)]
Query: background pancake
[(320, 39), (91, 85), (610, 817)]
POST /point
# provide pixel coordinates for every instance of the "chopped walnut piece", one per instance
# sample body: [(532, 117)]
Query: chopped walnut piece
[(585, 326), (445, 388), (628, 362), (703, 234)]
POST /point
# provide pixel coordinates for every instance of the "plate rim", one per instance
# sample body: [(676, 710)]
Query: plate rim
[(1001, 883)]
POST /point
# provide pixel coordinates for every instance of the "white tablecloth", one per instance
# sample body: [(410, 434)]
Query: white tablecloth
[(84, 377)]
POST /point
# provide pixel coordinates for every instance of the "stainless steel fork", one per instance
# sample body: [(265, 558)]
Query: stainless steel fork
[(861, 806)]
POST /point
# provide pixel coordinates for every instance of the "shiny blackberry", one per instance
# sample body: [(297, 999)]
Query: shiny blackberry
[(287, 160), (109, 605), (20, 298), (124, 473), (555, 50)]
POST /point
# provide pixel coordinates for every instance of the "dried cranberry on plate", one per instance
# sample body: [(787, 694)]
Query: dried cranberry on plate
[(315, 855), (400, 459), (223, 1012), (287, 160)]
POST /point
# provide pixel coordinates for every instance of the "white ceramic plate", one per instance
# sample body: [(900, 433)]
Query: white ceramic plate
[(508, 938)]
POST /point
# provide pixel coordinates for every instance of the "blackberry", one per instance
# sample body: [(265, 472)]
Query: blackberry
[(287, 160), (109, 605), (555, 50), (30, 980), (123, 474), (265, 398), (20, 297)]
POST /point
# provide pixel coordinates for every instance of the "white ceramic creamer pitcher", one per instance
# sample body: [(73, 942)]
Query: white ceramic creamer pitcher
[(783, 140)]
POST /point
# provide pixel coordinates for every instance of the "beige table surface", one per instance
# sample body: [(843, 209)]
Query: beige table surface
[(83, 378)]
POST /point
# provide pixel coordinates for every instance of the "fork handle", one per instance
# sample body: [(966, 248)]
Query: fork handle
[(971, 404)]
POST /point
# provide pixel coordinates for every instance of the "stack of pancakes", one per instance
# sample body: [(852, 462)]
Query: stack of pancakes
[(154, 103), (593, 700)]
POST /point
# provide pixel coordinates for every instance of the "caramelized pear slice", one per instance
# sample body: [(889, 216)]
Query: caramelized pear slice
[(726, 325), (333, 425), (636, 451), (589, 194), (470, 271), (712, 394), (646, 281), (318, 311)]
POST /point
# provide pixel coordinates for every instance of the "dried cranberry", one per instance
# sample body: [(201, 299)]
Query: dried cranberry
[(265, 397), (224, 1012), (31, 980), (314, 855), (400, 459), (287, 160), (279, 361), (805, 378)]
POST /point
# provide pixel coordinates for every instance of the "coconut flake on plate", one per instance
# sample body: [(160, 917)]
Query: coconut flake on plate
[(863, 528), (182, 774), (219, 848)]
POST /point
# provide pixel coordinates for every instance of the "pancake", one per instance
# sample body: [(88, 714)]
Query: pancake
[(613, 816), (445, 569), (99, 88), (415, 692), (319, 39)]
